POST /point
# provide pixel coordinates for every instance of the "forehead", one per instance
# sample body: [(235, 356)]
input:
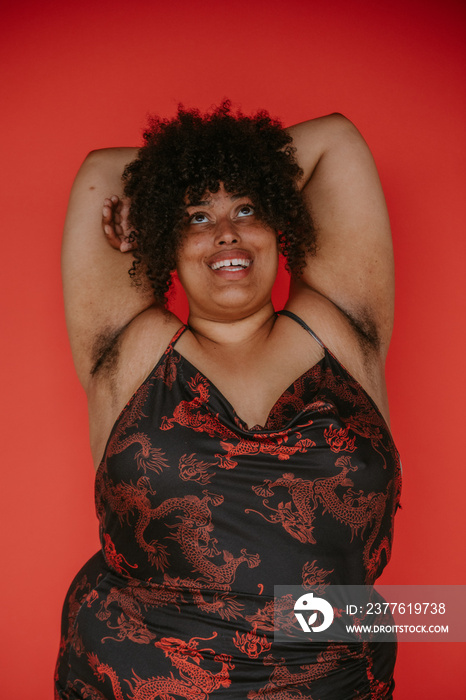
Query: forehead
[(209, 198)]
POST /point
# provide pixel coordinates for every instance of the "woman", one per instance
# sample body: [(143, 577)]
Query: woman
[(246, 450)]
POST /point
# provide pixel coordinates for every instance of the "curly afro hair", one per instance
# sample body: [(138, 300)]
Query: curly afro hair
[(192, 154)]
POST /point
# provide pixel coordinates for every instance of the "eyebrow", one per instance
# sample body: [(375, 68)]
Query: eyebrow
[(208, 202)]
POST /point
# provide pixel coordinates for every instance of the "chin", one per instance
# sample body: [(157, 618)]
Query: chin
[(235, 307)]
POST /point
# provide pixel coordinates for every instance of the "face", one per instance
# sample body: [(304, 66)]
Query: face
[(228, 259)]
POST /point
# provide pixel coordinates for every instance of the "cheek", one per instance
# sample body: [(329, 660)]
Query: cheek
[(273, 249), (190, 248), (188, 262)]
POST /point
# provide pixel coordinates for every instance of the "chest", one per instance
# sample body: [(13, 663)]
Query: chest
[(180, 469), (253, 386)]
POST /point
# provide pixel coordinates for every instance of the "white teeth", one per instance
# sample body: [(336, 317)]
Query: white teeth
[(236, 262)]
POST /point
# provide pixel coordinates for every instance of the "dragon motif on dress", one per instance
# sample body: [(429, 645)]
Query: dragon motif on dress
[(314, 577), (192, 532), (167, 370), (79, 595), (368, 423), (251, 643), (272, 444), (192, 469), (277, 614), (294, 397), (192, 414), (147, 457), (193, 535), (188, 413), (338, 439), (132, 601), (354, 509), (283, 684), (195, 682), (199, 572), (115, 558), (296, 521), (124, 499)]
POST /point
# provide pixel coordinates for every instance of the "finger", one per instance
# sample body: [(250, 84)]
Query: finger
[(106, 213), (126, 246), (110, 231), (111, 238), (110, 204), (128, 242)]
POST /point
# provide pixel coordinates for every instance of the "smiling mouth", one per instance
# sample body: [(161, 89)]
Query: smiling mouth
[(231, 265)]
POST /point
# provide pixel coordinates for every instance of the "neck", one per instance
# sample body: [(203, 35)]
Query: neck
[(231, 332)]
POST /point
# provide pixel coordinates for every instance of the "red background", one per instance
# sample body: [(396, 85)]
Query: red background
[(80, 77)]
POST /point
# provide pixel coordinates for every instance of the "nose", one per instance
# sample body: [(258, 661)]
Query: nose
[(226, 233)]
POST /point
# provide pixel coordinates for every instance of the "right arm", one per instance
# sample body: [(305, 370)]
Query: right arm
[(100, 300)]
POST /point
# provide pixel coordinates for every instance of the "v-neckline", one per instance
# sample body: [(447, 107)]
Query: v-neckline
[(238, 420)]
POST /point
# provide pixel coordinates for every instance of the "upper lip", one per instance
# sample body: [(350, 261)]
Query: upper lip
[(229, 255)]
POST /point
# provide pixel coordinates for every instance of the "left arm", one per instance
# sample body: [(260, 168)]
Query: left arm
[(353, 266)]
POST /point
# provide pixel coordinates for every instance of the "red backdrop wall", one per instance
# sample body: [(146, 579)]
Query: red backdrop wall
[(84, 76)]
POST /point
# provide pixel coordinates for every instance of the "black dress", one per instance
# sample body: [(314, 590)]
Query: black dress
[(200, 517)]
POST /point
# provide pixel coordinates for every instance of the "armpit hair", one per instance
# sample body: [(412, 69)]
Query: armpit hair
[(105, 352), (365, 328)]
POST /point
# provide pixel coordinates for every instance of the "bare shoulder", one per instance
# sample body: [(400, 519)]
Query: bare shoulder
[(355, 347), (122, 362)]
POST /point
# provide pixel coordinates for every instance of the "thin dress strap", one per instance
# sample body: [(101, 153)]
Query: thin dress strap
[(290, 314), (176, 337)]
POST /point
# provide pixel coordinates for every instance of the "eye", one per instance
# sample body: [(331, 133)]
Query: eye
[(245, 210), (198, 218)]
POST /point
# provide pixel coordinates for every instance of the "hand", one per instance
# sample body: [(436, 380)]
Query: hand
[(115, 224)]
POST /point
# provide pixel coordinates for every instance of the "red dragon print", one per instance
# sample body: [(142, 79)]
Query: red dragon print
[(188, 413), (147, 457), (354, 509), (283, 684), (314, 578), (339, 440), (195, 682), (131, 602), (251, 644), (114, 558), (192, 414)]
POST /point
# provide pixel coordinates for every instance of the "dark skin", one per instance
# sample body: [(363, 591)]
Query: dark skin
[(345, 292)]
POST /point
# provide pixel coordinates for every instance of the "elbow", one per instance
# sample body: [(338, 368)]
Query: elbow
[(109, 161), (342, 130), (341, 122), (93, 163), (96, 157), (98, 165)]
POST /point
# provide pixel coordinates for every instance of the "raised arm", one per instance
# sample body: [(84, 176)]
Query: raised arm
[(353, 266), (99, 298)]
